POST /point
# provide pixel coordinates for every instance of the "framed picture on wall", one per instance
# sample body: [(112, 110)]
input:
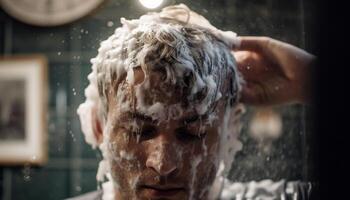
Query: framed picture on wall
[(23, 104)]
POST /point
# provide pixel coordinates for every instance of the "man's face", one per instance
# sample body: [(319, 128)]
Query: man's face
[(172, 159)]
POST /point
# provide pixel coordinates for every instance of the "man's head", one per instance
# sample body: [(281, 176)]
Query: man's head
[(165, 109)]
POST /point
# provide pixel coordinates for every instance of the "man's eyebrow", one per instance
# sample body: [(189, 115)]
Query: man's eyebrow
[(185, 120)]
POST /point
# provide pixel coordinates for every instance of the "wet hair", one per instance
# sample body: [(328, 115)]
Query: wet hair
[(185, 56), (193, 63)]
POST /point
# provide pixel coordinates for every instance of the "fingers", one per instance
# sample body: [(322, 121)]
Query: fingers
[(253, 94), (256, 95), (245, 62), (265, 46), (265, 94), (247, 96), (251, 65)]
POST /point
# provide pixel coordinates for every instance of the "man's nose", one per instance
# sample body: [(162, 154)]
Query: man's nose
[(163, 158)]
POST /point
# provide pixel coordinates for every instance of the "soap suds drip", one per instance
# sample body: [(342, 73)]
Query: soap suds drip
[(194, 166), (229, 146)]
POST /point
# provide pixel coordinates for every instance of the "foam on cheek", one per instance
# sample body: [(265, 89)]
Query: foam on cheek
[(195, 163), (127, 156), (111, 152), (231, 129), (229, 146), (194, 166), (133, 183)]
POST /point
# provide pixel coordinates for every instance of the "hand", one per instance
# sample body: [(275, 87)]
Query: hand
[(274, 72)]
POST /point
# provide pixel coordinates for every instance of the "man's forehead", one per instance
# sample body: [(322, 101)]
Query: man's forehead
[(155, 89)]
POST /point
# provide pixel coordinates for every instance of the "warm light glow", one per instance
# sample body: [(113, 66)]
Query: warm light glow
[(151, 3), (266, 124)]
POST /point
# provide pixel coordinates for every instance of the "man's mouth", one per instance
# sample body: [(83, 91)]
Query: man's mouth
[(161, 190)]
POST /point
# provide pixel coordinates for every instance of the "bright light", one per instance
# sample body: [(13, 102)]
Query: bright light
[(151, 3)]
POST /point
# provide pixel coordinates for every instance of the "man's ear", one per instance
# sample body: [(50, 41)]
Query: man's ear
[(97, 126)]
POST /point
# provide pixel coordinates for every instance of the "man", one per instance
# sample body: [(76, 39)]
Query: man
[(162, 106)]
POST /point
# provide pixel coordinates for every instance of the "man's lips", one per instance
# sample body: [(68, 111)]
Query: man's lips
[(161, 190)]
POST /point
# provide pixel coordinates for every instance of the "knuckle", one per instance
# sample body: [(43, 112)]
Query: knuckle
[(266, 41)]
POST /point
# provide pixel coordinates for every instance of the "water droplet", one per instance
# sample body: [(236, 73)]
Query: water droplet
[(26, 173), (81, 30), (110, 24), (59, 53), (76, 57), (248, 67), (77, 188), (72, 135), (74, 92)]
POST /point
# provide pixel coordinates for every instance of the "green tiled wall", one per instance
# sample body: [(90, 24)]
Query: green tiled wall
[(72, 164)]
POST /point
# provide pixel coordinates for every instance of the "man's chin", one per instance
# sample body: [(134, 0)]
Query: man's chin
[(169, 194)]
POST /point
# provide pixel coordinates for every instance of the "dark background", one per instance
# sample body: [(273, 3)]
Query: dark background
[(72, 164), (332, 99)]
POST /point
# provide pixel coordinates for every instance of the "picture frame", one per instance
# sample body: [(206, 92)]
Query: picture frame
[(23, 106)]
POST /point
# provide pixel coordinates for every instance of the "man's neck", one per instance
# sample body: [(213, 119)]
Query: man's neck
[(117, 195)]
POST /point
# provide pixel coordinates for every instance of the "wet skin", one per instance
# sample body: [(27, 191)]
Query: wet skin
[(172, 159)]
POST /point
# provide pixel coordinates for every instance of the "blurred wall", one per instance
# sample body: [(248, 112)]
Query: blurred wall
[(72, 164)]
